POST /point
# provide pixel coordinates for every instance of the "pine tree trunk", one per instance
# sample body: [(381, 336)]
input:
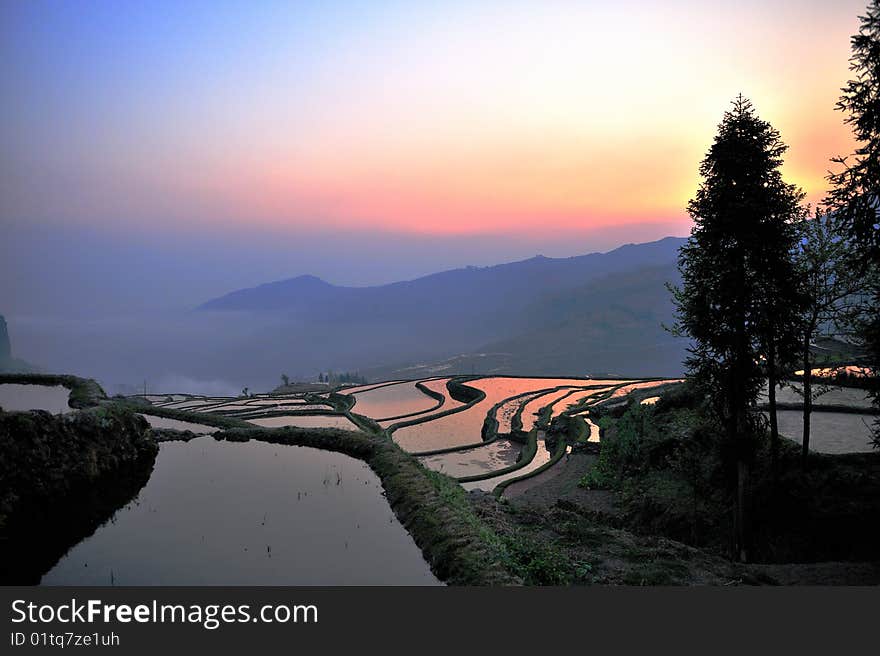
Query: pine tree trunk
[(739, 422), (742, 486), (808, 402), (774, 425)]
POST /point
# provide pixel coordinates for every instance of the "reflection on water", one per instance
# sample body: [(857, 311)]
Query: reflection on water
[(392, 401), (218, 513), (542, 456), (226, 407), (437, 385), (848, 396), (192, 403), (305, 421), (177, 424), (533, 407), (465, 427), (594, 430), (365, 388), (482, 460), (850, 370), (284, 407), (51, 398), (572, 399), (626, 389), (508, 410), (830, 432)]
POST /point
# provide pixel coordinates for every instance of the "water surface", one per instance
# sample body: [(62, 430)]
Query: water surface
[(572, 399), (305, 421), (365, 388), (848, 396), (177, 424), (533, 407), (220, 513), (473, 462), (51, 398), (465, 427), (392, 401), (542, 456), (508, 410), (830, 432), (437, 385)]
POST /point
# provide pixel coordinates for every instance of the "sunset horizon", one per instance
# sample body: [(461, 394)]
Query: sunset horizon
[(454, 120), (314, 308)]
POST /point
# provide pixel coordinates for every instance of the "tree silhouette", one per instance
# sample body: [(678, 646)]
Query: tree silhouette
[(782, 300), (855, 192), (828, 282), (730, 266)]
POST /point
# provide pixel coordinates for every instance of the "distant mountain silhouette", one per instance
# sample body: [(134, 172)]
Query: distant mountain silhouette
[(593, 313), (275, 296), (601, 326), (611, 326), (459, 291)]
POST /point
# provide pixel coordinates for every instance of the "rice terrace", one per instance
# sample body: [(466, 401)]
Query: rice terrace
[(408, 450), (442, 295)]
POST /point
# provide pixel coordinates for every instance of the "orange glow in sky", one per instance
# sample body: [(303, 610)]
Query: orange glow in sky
[(446, 118)]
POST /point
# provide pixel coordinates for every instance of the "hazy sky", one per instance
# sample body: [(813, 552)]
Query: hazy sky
[(232, 142)]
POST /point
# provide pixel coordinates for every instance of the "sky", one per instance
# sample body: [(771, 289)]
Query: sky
[(182, 149)]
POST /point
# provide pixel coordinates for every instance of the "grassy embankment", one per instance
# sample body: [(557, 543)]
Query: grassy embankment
[(62, 476), (456, 541), (432, 507), (462, 536), (567, 433), (562, 432), (83, 392)]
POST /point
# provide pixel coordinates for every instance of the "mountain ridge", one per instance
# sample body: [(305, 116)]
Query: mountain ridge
[(593, 313), (281, 294)]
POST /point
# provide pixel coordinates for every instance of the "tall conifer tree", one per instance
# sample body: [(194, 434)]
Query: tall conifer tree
[(855, 194), (741, 238)]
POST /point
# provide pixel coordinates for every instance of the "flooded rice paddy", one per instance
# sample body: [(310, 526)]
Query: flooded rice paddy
[(572, 399), (848, 396), (507, 411), (465, 427), (437, 385), (414, 420), (305, 421), (542, 457), (382, 403), (594, 430), (51, 398), (366, 388), (219, 513), (177, 424), (626, 389), (830, 432), (226, 408), (474, 462), (533, 408)]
